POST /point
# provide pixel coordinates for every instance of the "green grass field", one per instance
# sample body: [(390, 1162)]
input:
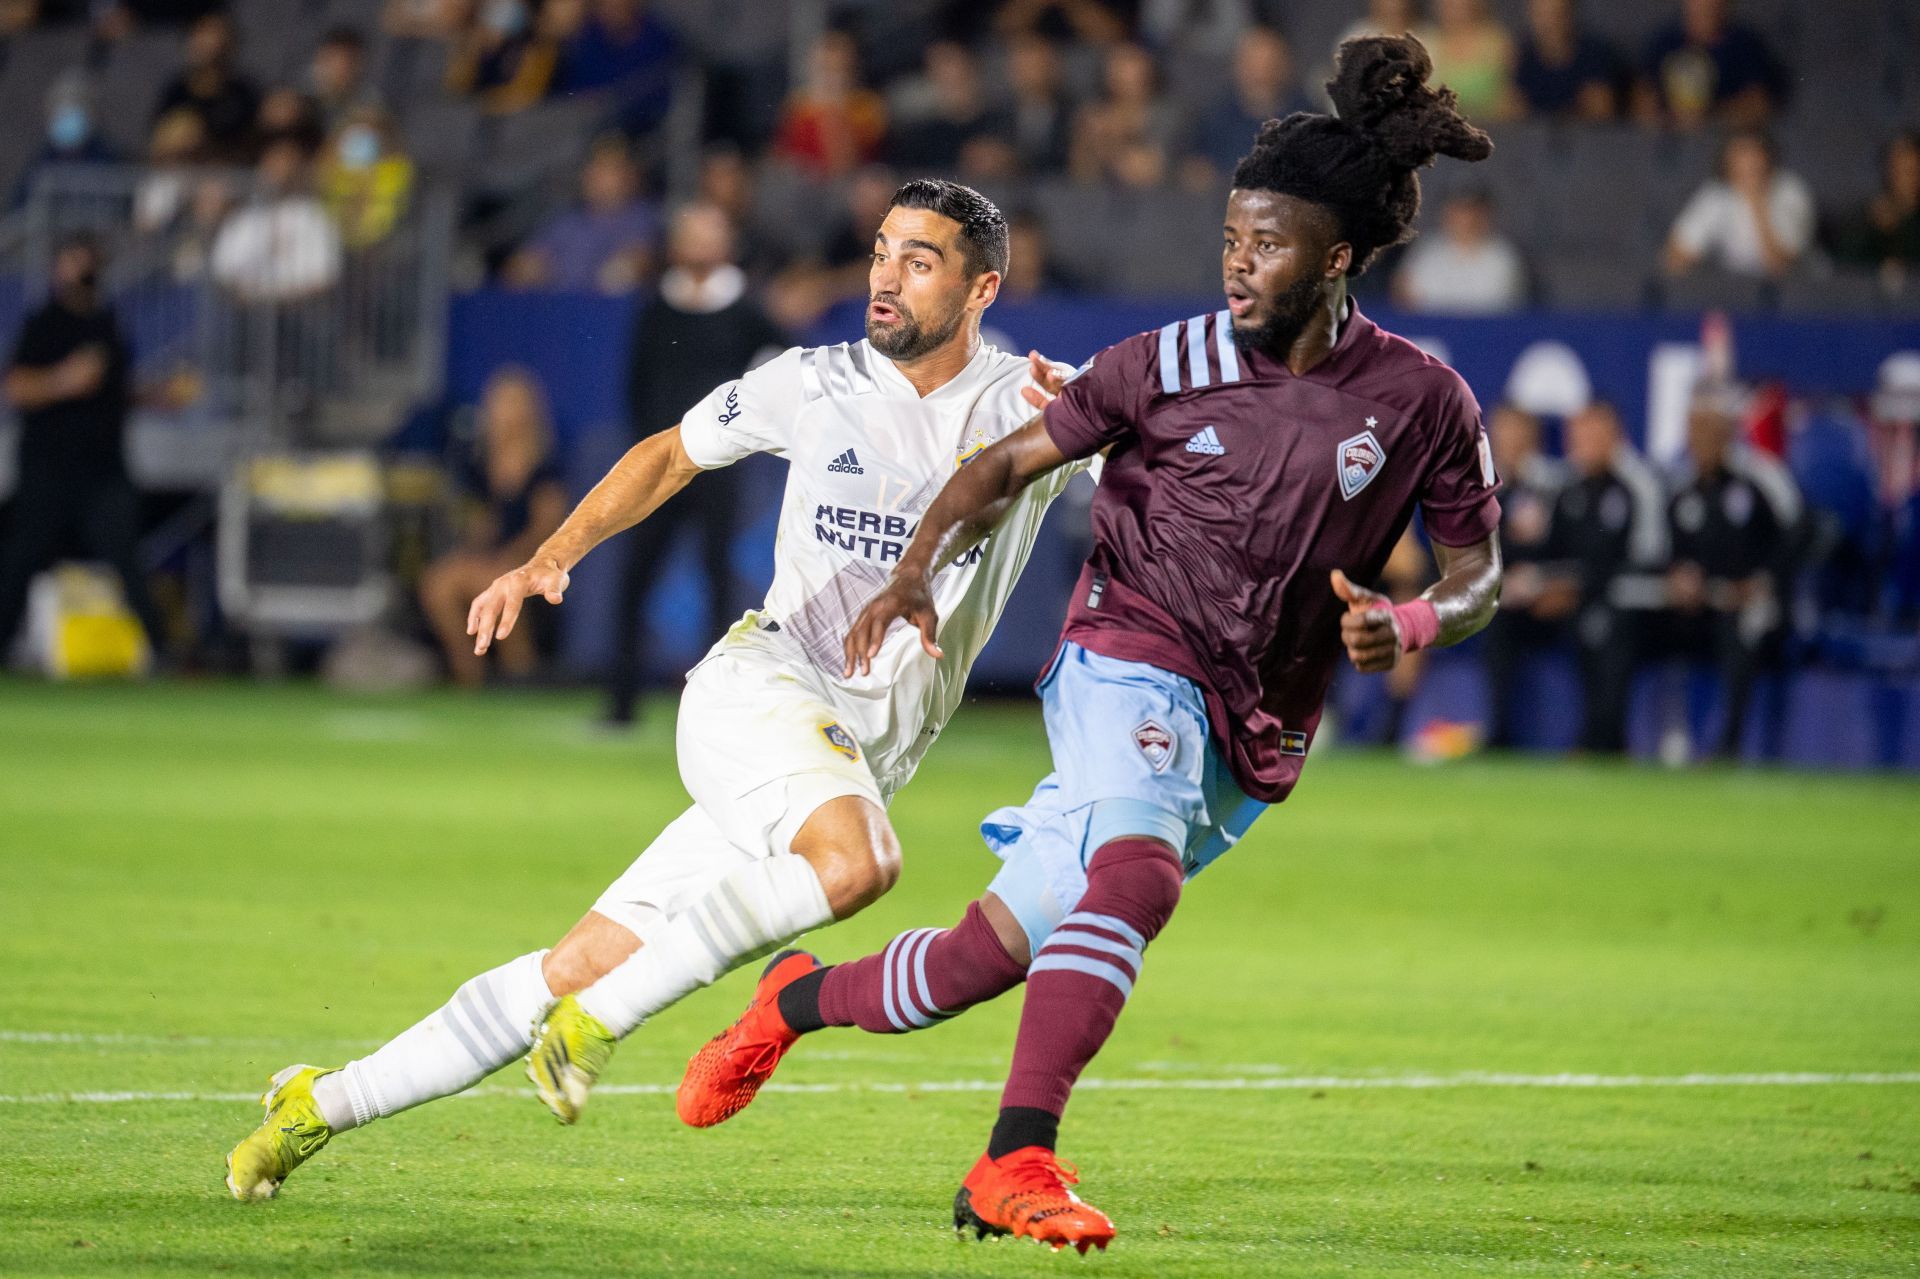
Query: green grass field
[(1333, 1066)]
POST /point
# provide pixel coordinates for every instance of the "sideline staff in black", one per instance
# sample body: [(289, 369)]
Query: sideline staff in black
[(700, 328), (70, 381)]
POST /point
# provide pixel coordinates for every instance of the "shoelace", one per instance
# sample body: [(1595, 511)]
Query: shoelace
[(766, 1052), (1044, 1174)]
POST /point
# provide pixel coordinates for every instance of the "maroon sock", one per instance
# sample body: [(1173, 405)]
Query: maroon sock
[(921, 977), (1083, 974)]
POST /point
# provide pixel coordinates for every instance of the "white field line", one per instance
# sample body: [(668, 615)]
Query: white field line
[(1268, 1083)]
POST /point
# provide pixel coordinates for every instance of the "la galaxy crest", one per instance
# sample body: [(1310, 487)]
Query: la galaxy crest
[(1359, 458), (841, 740)]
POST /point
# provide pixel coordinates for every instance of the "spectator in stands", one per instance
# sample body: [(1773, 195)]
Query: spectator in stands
[(1383, 18), (1608, 548), (849, 248), (1754, 219), (700, 329), (1709, 67), (426, 20), (1210, 29), (281, 247), (1473, 54), (935, 132), (1039, 114), (1731, 552), (623, 46), (116, 19), (286, 112), (226, 100), (337, 76), (1128, 135), (71, 384), (832, 124), (1886, 235), (72, 135), (176, 146), (1094, 22), (606, 243), (1469, 268), (506, 60), (1032, 269), (515, 500), (366, 177), (1530, 617), (1264, 88), (1563, 70)]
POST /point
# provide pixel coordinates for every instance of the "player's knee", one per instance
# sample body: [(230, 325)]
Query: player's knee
[(1138, 877), (856, 874)]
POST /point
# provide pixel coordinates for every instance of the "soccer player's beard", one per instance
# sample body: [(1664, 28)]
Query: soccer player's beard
[(1287, 318), (908, 340)]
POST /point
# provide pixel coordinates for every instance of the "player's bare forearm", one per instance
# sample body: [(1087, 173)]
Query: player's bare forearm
[(978, 496), (1377, 633), (638, 485), (965, 511), (651, 472), (1468, 592)]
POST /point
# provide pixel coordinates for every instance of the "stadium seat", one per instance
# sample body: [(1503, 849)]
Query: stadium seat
[(1846, 293), (1714, 291)]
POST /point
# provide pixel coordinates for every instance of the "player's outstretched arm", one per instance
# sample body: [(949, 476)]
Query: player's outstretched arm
[(1377, 631), (966, 510), (646, 476)]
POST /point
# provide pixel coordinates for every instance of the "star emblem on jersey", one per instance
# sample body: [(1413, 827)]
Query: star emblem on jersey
[(1359, 458), (1205, 441), (841, 740), (847, 464), (1156, 743)]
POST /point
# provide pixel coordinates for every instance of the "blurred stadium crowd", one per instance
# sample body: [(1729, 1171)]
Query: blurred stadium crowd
[(279, 198)]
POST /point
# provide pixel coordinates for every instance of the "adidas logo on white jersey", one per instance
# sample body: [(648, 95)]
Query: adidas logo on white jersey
[(1205, 441), (847, 464)]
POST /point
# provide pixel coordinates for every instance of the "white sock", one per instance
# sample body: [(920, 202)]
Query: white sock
[(745, 915), (487, 1023)]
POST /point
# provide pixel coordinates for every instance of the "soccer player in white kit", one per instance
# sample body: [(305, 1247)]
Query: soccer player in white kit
[(790, 763)]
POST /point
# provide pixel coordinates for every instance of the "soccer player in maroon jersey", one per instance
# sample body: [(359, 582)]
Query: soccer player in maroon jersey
[(1260, 462)]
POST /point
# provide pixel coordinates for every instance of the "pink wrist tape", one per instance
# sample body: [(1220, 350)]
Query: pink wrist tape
[(1417, 623)]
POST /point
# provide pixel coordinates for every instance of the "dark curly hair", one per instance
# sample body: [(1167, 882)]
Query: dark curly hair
[(1362, 164), (983, 228)]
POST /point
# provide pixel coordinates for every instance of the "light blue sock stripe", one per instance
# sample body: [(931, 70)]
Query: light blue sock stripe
[(1051, 963), (1197, 351), (887, 1004), (1068, 935), (1118, 927), (1223, 343), (927, 1006)]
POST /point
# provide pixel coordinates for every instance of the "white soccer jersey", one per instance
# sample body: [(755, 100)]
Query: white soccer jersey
[(866, 454)]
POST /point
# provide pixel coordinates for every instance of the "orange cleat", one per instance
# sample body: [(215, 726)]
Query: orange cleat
[(1025, 1193), (726, 1073)]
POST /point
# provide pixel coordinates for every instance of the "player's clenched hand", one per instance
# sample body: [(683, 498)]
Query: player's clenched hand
[(497, 608), (1367, 629), (908, 599), (1047, 381)]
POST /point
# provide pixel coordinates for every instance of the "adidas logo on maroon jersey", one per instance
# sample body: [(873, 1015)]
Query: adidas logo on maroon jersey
[(1205, 441)]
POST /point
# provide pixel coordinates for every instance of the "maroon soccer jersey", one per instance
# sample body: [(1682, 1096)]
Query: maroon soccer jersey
[(1232, 491)]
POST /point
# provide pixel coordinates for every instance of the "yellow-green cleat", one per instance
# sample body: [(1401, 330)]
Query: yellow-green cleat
[(291, 1134), (570, 1049)]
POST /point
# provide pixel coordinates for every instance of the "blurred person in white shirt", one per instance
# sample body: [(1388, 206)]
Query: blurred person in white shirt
[(281, 246), (1754, 219), (1469, 268)]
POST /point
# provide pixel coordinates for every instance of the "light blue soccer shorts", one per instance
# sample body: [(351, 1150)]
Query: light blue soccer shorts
[(1132, 755)]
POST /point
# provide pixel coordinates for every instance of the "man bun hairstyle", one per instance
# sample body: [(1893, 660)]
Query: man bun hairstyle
[(983, 228), (1363, 163)]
